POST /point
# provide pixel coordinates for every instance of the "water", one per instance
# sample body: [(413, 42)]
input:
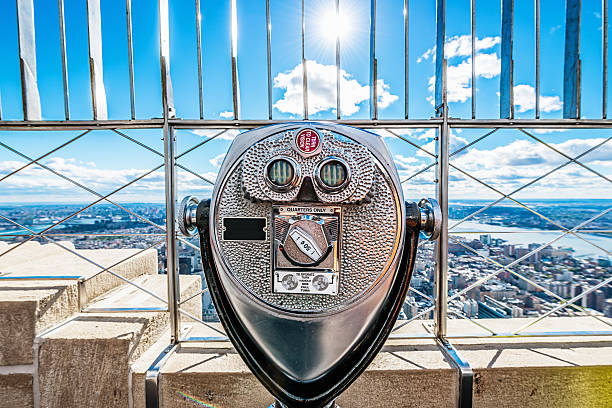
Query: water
[(36, 228), (525, 236)]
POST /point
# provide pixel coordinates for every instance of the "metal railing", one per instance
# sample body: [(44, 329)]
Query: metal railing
[(441, 121)]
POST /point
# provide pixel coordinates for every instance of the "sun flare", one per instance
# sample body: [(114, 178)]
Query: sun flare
[(332, 26)]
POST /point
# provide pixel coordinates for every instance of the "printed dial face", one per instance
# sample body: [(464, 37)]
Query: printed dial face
[(306, 243)]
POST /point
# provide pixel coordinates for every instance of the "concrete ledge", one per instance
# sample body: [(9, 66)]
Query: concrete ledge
[(86, 361), (543, 387), (509, 372), (28, 307), (408, 375)]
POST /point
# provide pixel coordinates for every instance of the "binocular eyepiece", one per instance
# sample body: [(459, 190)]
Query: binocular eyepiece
[(308, 249)]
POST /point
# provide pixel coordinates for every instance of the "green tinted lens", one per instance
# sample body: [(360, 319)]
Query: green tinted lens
[(333, 174), (280, 172)]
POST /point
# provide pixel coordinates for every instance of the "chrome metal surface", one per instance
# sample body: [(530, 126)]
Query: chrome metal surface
[(196, 339), (431, 218), (234, 60), (164, 61), (537, 59), (506, 82), (198, 18), (171, 247), (27, 60), (473, 44), (187, 216), (96, 78), (571, 70), (128, 17), (62, 30), (152, 391), (123, 309), (373, 67), (604, 59), (338, 21), (260, 320), (441, 248), (304, 70), (440, 41), (466, 375), (406, 59), (269, 57)]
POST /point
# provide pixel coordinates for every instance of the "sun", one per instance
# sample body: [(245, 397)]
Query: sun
[(332, 26)]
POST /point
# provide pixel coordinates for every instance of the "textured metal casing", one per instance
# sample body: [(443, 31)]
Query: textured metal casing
[(307, 345)]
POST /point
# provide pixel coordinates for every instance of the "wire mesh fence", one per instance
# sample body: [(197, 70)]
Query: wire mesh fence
[(526, 192)]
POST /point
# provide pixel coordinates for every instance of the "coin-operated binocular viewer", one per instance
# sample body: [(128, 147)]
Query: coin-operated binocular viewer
[(308, 249)]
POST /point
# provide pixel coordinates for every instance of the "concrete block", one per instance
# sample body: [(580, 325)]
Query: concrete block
[(28, 307), (86, 361), (544, 387), (16, 390)]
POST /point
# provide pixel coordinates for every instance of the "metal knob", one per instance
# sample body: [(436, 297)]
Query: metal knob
[(431, 218), (187, 216)]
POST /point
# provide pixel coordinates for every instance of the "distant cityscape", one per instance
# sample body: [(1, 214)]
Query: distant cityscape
[(535, 283)]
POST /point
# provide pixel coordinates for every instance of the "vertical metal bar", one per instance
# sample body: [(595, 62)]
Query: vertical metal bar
[(441, 281), (269, 49), (128, 16), (199, 46), (169, 176), (164, 58), (304, 72), (440, 40), (506, 90), (604, 59), (537, 59), (473, 19), (406, 57), (373, 65), (465, 387), (171, 247), (234, 50), (338, 113), (571, 71), (27, 60), (94, 34), (60, 7)]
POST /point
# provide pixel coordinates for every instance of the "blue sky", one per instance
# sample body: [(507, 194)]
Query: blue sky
[(104, 160)]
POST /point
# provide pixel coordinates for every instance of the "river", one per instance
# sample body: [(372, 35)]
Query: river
[(524, 237)]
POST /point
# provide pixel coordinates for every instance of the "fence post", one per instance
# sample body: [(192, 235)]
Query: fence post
[(170, 175)]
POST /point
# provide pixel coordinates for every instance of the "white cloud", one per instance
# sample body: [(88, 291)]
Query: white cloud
[(461, 46), (36, 183), (226, 115), (543, 131), (405, 163), (322, 91), (525, 98), (510, 166), (217, 160), (228, 134), (459, 76)]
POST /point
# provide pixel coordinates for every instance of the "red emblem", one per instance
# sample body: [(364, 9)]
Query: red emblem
[(307, 141)]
